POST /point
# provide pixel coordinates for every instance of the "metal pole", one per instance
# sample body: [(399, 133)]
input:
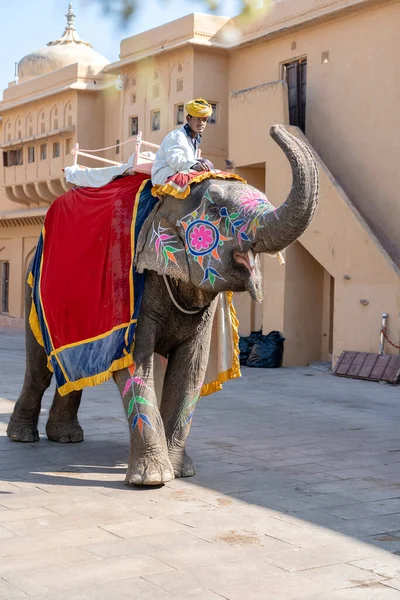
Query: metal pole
[(382, 339)]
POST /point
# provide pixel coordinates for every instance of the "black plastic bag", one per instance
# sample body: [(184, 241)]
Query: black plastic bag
[(246, 344), (267, 352)]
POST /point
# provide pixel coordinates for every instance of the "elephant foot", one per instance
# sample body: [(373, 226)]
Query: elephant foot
[(182, 463), (22, 431), (64, 433), (149, 470)]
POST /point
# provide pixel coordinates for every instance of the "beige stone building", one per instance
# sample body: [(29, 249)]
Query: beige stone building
[(330, 68)]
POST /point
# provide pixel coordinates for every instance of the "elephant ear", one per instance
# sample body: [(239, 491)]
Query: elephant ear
[(160, 248)]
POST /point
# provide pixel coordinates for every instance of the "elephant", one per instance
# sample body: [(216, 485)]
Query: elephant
[(215, 237)]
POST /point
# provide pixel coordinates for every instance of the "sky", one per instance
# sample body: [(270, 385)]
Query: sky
[(29, 24)]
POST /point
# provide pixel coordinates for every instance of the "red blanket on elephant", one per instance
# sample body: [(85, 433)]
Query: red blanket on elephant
[(86, 294)]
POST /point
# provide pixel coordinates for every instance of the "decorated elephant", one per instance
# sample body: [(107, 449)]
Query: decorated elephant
[(191, 250)]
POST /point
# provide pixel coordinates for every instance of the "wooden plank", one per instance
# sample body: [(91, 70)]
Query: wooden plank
[(392, 371), (345, 363), (379, 367), (357, 364), (339, 362), (368, 366)]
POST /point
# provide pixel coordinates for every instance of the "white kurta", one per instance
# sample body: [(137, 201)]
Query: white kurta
[(95, 177), (175, 154)]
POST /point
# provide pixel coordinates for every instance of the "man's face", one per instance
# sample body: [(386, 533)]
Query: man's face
[(197, 124)]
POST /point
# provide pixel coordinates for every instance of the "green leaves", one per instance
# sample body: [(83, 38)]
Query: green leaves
[(137, 400)]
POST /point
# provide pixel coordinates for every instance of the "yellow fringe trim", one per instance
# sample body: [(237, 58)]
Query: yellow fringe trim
[(234, 371), (117, 365), (34, 324), (167, 189)]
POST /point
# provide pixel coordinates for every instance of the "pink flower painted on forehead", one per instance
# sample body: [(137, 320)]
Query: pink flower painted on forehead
[(201, 238)]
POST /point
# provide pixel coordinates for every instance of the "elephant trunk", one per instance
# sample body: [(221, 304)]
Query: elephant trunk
[(282, 227)]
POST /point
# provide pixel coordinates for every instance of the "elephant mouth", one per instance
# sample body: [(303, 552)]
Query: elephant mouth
[(247, 260)]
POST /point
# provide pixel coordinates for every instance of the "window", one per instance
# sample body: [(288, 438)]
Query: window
[(179, 85), (15, 157), (213, 118), (295, 75), (133, 125), (42, 127), (56, 149), (68, 113), (133, 98), (43, 151), (4, 285), (155, 75), (116, 146), (155, 120), (180, 68), (179, 114), (68, 144), (31, 154), (55, 124), (133, 83), (5, 159), (30, 131)]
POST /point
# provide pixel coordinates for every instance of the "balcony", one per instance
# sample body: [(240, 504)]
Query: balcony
[(41, 180)]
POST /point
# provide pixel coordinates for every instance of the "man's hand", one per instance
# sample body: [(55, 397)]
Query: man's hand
[(201, 166)]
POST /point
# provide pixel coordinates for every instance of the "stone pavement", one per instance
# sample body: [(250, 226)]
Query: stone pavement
[(297, 495)]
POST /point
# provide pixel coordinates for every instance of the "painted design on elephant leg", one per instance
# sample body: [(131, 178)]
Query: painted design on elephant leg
[(189, 407), (140, 419), (163, 244)]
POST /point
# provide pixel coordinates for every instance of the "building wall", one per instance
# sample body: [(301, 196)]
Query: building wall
[(338, 240), (17, 245), (40, 120), (211, 82), (351, 104), (153, 84)]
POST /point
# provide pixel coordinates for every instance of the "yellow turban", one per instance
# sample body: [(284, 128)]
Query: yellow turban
[(199, 108)]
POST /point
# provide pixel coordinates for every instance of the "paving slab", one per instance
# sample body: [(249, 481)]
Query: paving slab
[(296, 495)]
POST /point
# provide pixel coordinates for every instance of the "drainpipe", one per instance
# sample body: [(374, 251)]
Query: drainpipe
[(382, 338)]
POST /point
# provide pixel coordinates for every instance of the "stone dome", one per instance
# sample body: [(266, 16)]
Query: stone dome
[(66, 50)]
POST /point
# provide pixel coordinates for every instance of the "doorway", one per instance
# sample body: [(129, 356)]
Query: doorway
[(4, 286), (295, 75)]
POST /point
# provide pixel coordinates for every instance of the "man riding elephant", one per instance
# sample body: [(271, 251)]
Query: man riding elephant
[(179, 150)]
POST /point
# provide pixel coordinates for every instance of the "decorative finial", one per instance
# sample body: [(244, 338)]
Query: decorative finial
[(70, 35), (70, 17)]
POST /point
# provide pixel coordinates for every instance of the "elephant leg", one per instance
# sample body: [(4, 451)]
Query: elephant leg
[(62, 425), (148, 458), (23, 422), (182, 385)]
